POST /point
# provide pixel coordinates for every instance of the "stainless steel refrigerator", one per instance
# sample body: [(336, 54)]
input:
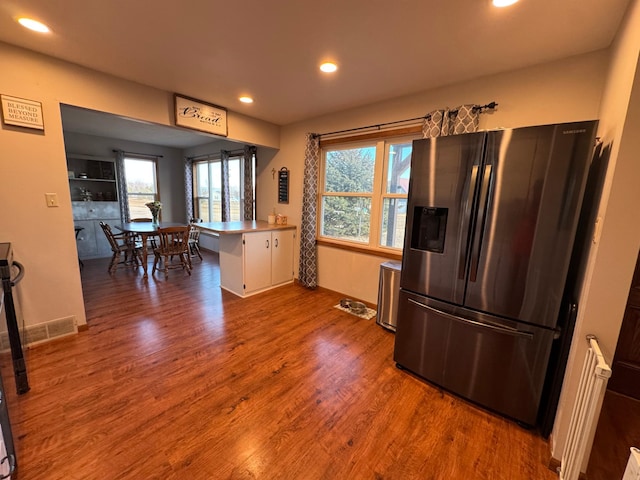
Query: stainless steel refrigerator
[(491, 221)]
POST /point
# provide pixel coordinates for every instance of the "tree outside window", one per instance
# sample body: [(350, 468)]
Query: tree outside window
[(364, 193)]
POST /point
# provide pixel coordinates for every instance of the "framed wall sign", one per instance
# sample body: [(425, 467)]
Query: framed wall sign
[(202, 116), (21, 112), (283, 185)]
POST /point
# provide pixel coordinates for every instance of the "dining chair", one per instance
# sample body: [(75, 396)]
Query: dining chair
[(122, 244), (80, 262), (174, 242), (194, 239), (152, 241)]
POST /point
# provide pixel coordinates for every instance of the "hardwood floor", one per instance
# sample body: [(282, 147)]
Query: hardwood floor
[(618, 430), (177, 379)]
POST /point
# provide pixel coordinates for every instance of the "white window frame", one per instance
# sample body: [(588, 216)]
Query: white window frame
[(130, 194), (209, 198), (378, 194), (214, 160)]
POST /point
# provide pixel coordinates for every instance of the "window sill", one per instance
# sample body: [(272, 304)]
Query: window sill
[(378, 252)]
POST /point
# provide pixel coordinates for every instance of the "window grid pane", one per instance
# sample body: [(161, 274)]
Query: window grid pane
[(142, 187), (358, 182), (235, 189), (137, 205), (394, 213), (346, 218), (399, 168), (350, 170)]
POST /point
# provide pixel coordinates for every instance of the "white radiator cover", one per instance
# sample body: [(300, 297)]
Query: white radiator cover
[(586, 410)]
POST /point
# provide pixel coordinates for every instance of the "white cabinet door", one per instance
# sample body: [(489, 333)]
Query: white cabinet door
[(282, 256), (257, 261)]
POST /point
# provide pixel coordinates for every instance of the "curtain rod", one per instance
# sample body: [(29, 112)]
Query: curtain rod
[(139, 154), (203, 156), (234, 152), (482, 108), (213, 155)]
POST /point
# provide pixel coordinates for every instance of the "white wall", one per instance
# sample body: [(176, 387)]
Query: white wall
[(612, 261), (33, 163), (566, 90)]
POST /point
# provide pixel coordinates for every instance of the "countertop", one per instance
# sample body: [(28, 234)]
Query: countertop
[(225, 228)]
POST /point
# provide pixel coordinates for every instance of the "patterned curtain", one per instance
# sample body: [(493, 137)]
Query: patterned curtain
[(249, 194), (308, 274), (188, 187), (464, 119), (441, 123), (225, 194), (436, 124), (123, 197)]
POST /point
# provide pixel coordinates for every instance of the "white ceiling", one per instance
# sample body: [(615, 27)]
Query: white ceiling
[(217, 50), (91, 122)]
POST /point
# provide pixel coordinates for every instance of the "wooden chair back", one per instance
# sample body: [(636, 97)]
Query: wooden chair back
[(173, 240), (194, 234), (111, 237), (121, 244)]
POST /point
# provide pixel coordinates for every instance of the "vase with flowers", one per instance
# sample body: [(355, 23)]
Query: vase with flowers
[(154, 207)]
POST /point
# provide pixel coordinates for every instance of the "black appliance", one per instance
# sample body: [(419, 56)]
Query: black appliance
[(8, 462), (7, 266), (491, 222)]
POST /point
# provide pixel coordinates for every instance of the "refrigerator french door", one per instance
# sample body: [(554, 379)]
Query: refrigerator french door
[(491, 221)]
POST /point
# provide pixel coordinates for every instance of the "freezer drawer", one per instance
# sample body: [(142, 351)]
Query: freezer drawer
[(496, 363)]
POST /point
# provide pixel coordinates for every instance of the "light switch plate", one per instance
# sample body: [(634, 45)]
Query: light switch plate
[(52, 199)]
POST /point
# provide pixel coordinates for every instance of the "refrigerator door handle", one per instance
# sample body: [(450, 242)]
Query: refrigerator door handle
[(497, 328), (462, 265), (482, 211)]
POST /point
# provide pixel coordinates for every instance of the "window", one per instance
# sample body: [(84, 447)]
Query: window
[(142, 185), (207, 189), (363, 191)]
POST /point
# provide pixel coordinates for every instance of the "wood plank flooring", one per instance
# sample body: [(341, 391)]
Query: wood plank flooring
[(618, 430), (177, 379)]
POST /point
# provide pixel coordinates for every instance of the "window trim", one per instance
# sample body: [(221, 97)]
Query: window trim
[(381, 141), (156, 173), (234, 156), (194, 188)]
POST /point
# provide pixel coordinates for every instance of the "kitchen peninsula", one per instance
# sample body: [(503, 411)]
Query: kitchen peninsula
[(254, 255)]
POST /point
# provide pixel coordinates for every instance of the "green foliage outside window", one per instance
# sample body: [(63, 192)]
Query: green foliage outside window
[(348, 171)]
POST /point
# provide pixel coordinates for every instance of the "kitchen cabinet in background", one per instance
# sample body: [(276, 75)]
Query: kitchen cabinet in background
[(91, 240), (92, 178)]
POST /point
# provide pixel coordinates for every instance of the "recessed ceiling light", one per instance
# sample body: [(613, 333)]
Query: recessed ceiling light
[(245, 99), (33, 25), (503, 3), (328, 67)]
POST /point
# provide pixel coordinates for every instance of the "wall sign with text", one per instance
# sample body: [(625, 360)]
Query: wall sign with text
[(21, 112), (283, 185), (201, 116)]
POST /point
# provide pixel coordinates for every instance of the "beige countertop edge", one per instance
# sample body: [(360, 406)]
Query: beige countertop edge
[(229, 228)]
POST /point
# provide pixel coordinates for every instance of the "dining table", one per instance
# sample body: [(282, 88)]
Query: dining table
[(146, 230)]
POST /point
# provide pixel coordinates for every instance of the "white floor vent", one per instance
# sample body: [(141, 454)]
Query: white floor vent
[(42, 332)]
